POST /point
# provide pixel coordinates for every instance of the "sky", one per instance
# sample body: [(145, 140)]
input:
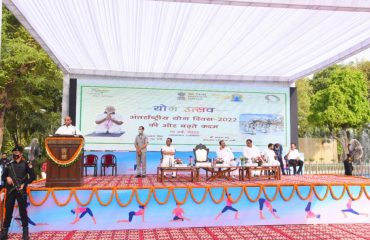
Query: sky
[(364, 55)]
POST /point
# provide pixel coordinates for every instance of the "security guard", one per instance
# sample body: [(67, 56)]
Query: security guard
[(17, 175)]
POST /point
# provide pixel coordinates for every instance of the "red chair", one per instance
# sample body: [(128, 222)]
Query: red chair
[(91, 160), (108, 160)]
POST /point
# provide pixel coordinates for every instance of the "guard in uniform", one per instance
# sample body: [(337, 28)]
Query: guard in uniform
[(17, 175)]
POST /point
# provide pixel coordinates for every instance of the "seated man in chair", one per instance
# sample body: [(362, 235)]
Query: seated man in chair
[(224, 153), (294, 159), (168, 154)]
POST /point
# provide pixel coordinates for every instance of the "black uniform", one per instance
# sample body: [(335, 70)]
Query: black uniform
[(24, 175)]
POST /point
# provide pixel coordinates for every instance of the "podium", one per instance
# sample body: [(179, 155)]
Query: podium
[(65, 162)]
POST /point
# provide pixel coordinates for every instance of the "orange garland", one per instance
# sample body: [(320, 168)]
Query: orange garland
[(190, 190)]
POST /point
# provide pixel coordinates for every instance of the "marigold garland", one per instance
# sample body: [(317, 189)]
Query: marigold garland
[(351, 196), (317, 195), (129, 200), (333, 194), (296, 188), (258, 195), (267, 197), (238, 198), (190, 190), (194, 198), (89, 199), (212, 197), (109, 200), (169, 190), (185, 198), (68, 162), (147, 200), (291, 194)]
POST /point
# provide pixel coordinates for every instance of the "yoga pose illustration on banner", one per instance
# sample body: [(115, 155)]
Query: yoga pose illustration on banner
[(272, 210), (228, 207), (18, 218), (179, 214), (140, 212), (309, 213), (80, 212), (350, 209)]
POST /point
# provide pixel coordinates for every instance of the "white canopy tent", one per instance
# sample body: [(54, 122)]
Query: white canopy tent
[(260, 40)]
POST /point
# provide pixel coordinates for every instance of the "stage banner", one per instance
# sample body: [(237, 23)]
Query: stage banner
[(110, 112), (140, 208)]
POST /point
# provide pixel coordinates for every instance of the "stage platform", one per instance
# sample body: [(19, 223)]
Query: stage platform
[(126, 202), (272, 232), (182, 180)]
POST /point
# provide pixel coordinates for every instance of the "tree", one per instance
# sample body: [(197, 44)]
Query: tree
[(30, 85), (365, 68), (340, 100), (304, 92)]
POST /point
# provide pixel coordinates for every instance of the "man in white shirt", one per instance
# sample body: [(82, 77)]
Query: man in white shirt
[(293, 159), (168, 153), (226, 155), (68, 128), (270, 156), (109, 121), (251, 152)]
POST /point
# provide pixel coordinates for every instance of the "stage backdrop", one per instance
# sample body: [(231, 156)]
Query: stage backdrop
[(187, 111)]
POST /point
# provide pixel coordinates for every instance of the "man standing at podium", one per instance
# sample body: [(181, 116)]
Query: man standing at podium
[(68, 128)]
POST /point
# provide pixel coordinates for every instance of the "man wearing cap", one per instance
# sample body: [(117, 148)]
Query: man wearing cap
[(17, 175), (68, 128)]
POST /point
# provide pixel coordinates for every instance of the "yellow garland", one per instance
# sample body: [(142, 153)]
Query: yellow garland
[(238, 198), (366, 194), (165, 200), (42, 201), (267, 197), (128, 202), (213, 199), (333, 194), (185, 198), (147, 200), (109, 200), (207, 189), (64, 163), (66, 202), (282, 195), (296, 188), (351, 196), (317, 195), (249, 198), (88, 201), (203, 198)]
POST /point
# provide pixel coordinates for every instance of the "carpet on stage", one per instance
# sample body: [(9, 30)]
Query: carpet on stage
[(183, 180), (274, 232)]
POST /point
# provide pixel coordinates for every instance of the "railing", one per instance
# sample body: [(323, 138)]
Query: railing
[(335, 168)]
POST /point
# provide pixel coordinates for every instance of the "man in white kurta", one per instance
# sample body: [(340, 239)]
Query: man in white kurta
[(226, 155), (251, 152), (270, 156), (168, 152), (68, 128)]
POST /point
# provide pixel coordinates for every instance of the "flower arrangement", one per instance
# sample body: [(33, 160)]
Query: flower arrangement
[(178, 161), (219, 161)]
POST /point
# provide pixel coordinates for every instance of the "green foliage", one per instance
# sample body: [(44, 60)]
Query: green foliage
[(304, 92), (340, 98), (365, 68), (30, 86)]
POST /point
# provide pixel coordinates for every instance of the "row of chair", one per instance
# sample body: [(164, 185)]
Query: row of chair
[(106, 161)]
